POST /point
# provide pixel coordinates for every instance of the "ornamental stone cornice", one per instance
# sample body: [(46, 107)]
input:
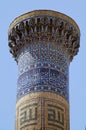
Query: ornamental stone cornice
[(45, 26), (43, 12)]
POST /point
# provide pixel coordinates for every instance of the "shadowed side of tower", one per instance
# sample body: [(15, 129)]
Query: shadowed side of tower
[(43, 43)]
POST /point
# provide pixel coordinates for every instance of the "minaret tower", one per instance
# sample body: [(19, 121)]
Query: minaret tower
[(43, 43)]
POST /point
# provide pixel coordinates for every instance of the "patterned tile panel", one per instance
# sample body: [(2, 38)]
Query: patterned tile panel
[(43, 67)]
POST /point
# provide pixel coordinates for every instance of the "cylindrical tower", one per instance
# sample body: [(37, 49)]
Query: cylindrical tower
[(43, 43)]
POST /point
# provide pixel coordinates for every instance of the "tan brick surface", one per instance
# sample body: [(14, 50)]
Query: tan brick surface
[(42, 110)]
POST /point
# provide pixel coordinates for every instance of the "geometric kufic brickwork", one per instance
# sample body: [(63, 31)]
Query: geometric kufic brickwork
[(43, 43), (51, 111)]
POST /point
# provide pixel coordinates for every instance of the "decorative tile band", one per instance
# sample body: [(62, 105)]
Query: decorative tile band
[(43, 67), (42, 80)]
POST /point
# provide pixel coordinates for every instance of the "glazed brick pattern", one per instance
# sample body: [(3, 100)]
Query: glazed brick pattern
[(43, 67)]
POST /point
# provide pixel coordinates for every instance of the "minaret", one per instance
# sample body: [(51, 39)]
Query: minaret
[(43, 43)]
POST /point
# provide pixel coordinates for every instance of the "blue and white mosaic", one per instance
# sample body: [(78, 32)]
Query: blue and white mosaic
[(43, 67)]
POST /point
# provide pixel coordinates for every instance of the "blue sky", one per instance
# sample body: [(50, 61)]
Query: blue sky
[(9, 10)]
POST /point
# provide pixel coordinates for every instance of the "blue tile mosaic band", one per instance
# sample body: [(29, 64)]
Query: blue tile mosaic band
[(43, 67)]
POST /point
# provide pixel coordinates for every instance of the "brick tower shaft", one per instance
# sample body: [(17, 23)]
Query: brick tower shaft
[(43, 43)]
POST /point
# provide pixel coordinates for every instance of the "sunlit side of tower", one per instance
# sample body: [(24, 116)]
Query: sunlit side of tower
[(43, 43)]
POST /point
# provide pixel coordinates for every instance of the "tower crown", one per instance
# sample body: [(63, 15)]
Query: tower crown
[(43, 42), (45, 25)]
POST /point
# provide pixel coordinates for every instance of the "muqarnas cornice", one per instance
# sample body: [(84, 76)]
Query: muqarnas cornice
[(45, 26)]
